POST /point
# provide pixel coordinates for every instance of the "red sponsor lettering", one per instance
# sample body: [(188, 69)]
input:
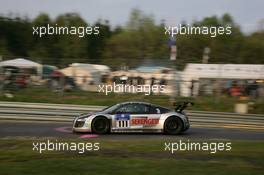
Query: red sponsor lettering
[(144, 121)]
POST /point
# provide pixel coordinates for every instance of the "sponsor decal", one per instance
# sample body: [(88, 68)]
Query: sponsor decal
[(122, 116), (144, 121)]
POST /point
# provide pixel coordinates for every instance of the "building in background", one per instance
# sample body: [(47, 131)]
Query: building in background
[(230, 79), (145, 75)]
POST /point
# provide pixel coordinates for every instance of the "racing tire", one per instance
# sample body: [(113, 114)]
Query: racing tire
[(173, 126), (100, 125)]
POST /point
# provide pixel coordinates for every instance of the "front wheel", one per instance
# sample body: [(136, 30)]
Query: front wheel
[(173, 125), (100, 125)]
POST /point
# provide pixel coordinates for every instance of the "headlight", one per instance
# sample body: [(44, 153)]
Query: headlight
[(78, 123)]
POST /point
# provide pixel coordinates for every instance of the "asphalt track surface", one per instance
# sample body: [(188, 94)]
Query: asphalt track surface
[(10, 129)]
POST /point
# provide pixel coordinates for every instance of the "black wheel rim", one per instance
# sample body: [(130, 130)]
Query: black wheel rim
[(100, 125), (172, 125)]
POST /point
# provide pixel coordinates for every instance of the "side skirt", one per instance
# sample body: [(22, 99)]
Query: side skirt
[(115, 130)]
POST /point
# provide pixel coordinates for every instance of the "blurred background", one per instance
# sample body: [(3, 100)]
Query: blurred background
[(225, 73)]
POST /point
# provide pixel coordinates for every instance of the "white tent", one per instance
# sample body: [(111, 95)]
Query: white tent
[(102, 69), (86, 75), (20, 63)]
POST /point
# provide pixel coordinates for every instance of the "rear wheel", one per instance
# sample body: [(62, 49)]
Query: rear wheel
[(173, 125), (100, 125)]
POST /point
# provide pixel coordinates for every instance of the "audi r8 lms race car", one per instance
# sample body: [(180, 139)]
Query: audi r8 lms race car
[(134, 117)]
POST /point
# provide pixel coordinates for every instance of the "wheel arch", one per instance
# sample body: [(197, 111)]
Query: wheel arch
[(99, 115), (173, 116), (170, 116)]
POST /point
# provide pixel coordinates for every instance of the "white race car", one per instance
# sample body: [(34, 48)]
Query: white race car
[(134, 117)]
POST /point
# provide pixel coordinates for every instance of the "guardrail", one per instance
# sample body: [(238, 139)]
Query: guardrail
[(66, 113)]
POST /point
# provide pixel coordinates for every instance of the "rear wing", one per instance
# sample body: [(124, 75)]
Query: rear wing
[(180, 106)]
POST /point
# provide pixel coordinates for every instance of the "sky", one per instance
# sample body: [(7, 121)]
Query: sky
[(247, 13)]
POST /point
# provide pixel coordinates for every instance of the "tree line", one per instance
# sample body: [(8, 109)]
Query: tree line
[(141, 40)]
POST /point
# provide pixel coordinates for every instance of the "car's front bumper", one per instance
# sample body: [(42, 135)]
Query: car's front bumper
[(81, 125)]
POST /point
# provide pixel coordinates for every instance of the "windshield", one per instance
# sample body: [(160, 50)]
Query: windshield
[(110, 109)]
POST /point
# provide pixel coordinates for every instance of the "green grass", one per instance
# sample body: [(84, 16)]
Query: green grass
[(221, 104), (130, 157)]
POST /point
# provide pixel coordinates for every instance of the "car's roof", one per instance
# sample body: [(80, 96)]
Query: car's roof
[(136, 102), (141, 103)]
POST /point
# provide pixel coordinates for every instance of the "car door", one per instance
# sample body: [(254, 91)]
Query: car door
[(150, 119), (135, 116), (122, 117), (143, 117), (128, 115)]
